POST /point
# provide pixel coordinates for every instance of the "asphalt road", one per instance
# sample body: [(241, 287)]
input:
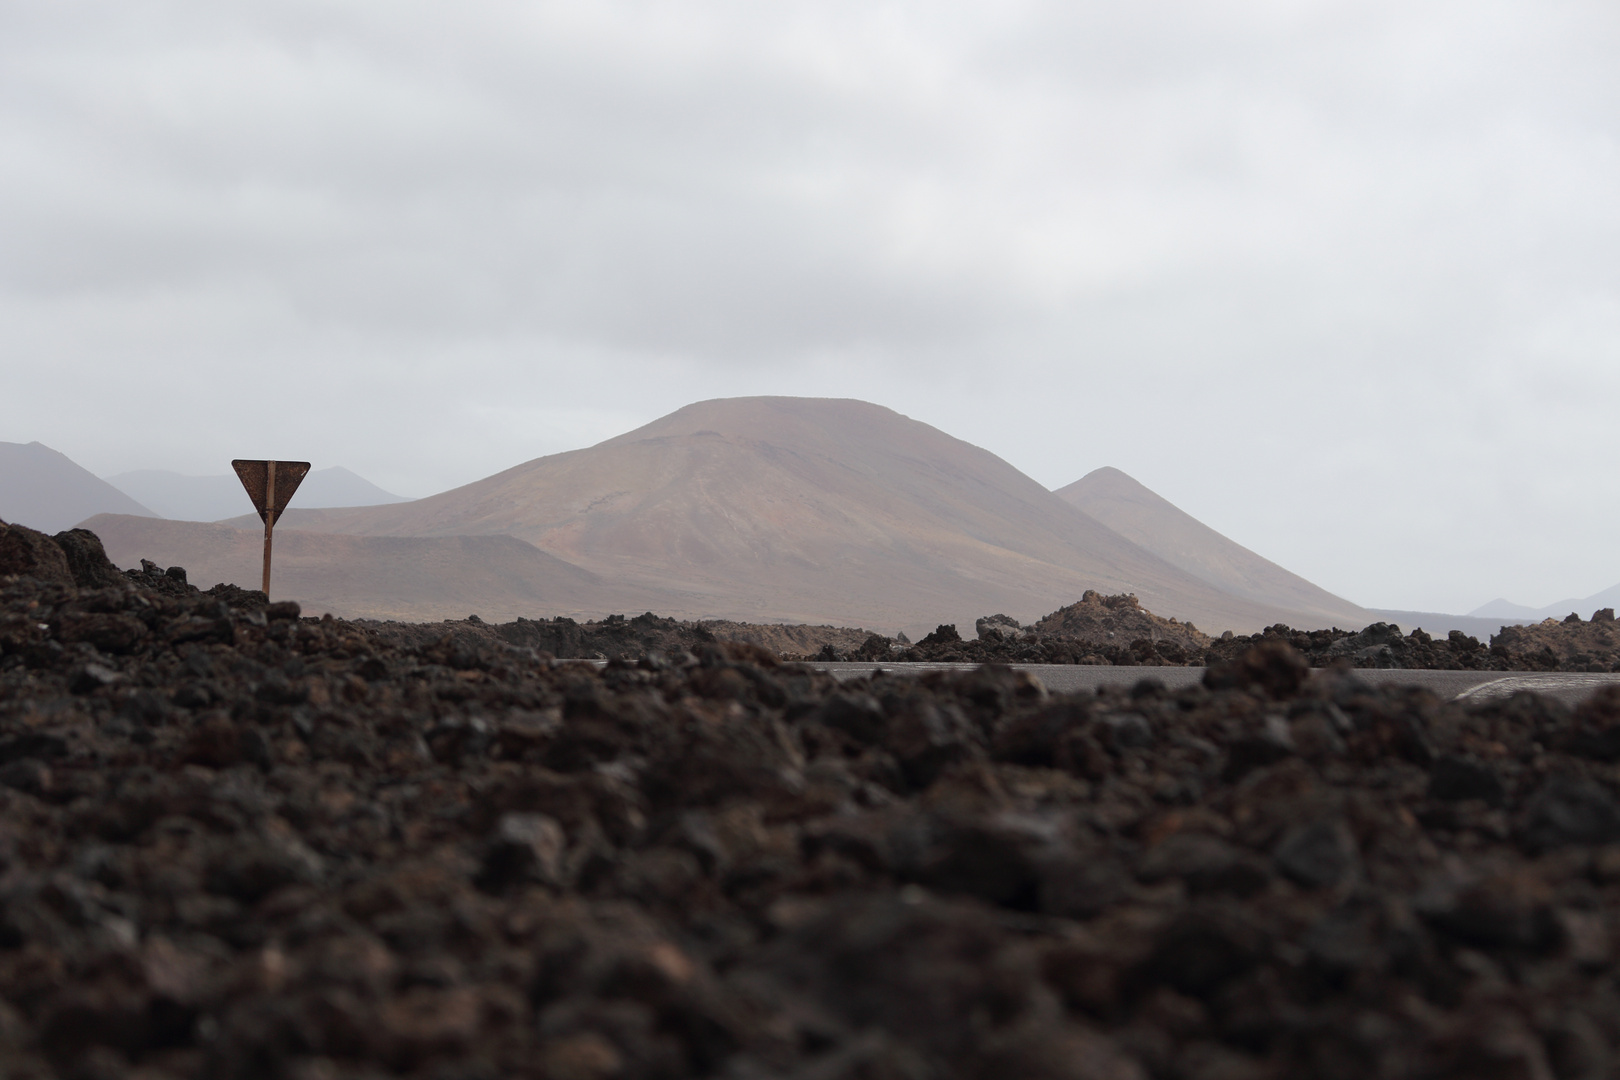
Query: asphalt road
[(1571, 687)]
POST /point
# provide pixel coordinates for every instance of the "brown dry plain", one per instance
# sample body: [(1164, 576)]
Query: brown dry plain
[(238, 843)]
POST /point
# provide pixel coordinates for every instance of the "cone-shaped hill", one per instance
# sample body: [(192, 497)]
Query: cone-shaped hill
[(803, 509), (1141, 516)]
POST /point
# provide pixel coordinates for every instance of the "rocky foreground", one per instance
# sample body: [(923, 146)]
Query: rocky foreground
[(240, 843)]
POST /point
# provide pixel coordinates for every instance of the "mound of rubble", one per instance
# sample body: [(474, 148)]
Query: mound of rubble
[(1097, 630), (238, 843), (1563, 645), (1118, 618)]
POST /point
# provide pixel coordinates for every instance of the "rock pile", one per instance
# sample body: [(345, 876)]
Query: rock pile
[(1570, 645), (1097, 630), (1380, 645), (1563, 645), (237, 843)]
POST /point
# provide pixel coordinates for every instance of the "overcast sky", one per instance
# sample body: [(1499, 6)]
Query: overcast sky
[(1341, 279)]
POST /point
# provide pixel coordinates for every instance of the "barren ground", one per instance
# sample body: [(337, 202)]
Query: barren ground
[(239, 843)]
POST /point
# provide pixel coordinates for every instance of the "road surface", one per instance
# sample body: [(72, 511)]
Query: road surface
[(1568, 686)]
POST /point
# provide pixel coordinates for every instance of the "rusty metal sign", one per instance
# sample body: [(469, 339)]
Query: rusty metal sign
[(270, 484)]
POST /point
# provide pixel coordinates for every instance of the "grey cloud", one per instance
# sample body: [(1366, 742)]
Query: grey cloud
[(1371, 230)]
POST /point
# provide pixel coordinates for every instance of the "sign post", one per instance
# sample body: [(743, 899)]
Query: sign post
[(270, 484)]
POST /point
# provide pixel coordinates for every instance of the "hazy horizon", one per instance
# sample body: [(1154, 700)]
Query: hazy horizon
[(327, 488), (1340, 280)]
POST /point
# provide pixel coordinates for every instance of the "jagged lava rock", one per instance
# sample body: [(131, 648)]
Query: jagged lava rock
[(240, 842)]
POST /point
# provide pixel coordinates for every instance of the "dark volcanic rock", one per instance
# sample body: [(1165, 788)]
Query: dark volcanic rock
[(237, 842), (1317, 855), (87, 561), (1453, 778), (33, 554), (1096, 630), (1380, 645), (1569, 645), (1571, 811)]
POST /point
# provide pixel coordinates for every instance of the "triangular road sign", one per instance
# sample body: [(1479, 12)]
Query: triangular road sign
[(270, 484)]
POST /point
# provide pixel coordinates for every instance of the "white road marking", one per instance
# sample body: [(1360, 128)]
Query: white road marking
[(1541, 682)]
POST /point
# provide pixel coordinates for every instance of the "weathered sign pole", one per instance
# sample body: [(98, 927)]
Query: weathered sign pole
[(270, 484)]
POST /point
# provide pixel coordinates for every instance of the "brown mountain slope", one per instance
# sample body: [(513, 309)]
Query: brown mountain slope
[(1143, 517), (380, 577), (814, 510)]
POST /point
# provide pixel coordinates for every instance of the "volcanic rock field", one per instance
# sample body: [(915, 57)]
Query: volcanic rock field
[(239, 842), (1101, 630)]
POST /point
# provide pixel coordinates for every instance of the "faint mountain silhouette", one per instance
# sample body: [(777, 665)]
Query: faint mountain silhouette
[(44, 490), (1506, 609), (211, 498)]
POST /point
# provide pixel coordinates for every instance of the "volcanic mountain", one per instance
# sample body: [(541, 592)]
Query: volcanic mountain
[(1147, 519), (783, 509)]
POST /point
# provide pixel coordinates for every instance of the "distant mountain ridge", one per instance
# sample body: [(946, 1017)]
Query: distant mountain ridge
[(45, 490), (211, 498), (813, 510), (793, 510), (1506, 609)]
